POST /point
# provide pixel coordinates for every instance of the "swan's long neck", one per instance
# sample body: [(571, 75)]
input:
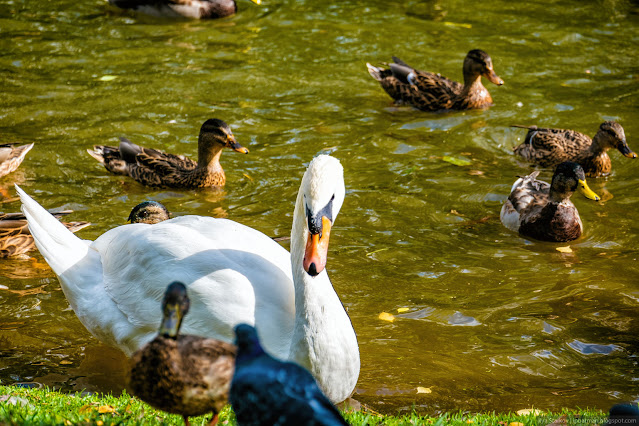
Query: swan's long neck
[(324, 341)]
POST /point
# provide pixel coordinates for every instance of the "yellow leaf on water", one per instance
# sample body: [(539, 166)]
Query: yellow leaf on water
[(106, 409), (421, 389), (566, 249), (457, 24), (108, 77), (458, 161), (65, 362), (400, 310), (529, 412), (386, 317)]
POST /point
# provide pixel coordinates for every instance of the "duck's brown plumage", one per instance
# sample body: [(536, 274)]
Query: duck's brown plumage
[(182, 374), (548, 147), (11, 156), (155, 168), (433, 92), (15, 237), (544, 211), (189, 375), (149, 212)]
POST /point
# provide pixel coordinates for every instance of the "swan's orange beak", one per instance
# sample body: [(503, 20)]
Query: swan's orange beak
[(317, 249)]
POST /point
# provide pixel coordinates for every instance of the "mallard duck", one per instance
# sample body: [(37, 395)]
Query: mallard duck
[(545, 212), (434, 92), (195, 9), (266, 391), (15, 237), (11, 156), (549, 147), (156, 168), (178, 373), (149, 212), (234, 275)]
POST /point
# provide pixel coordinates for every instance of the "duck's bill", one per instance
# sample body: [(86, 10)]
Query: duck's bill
[(316, 251), (588, 193), (626, 151), (171, 321), (237, 147), (494, 78)]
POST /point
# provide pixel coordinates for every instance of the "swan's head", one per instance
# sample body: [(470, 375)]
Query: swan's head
[(323, 195), (174, 306)]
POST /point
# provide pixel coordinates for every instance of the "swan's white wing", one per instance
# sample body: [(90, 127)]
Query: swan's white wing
[(233, 274)]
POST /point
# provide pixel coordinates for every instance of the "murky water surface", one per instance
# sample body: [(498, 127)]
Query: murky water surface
[(493, 321)]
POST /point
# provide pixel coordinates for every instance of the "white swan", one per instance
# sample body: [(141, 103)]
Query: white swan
[(234, 274)]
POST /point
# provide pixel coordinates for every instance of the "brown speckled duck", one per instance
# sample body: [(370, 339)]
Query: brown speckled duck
[(15, 237), (156, 168), (549, 147), (182, 374), (434, 92), (544, 212), (11, 156), (195, 9), (149, 212)]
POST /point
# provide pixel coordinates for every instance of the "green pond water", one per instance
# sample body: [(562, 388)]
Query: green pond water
[(494, 321)]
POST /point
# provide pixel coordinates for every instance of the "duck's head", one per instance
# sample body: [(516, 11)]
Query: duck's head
[(216, 132), (612, 135), (322, 194), (478, 63), (149, 212), (247, 342), (568, 178), (174, 306)]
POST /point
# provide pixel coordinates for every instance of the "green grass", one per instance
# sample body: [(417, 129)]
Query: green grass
[(20, 406)]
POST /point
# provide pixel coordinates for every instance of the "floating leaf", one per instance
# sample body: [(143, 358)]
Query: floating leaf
[(106, 409), (376, 251), (400, 310), (65, 362), (421, 389), (456, 161), (457, 24), (566, 249), (529, 412), (387, 317), (108, 77)]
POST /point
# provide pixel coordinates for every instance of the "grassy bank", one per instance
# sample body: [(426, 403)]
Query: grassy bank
[(45, 407)]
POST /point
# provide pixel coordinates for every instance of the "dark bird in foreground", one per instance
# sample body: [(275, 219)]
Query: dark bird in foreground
[(434, 92), (549, 147), (149, 212), (623, 414), (182, 374), (544, 212), (11, 156), (15, 236), (195, 9), (267, 391), (156, 168)]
